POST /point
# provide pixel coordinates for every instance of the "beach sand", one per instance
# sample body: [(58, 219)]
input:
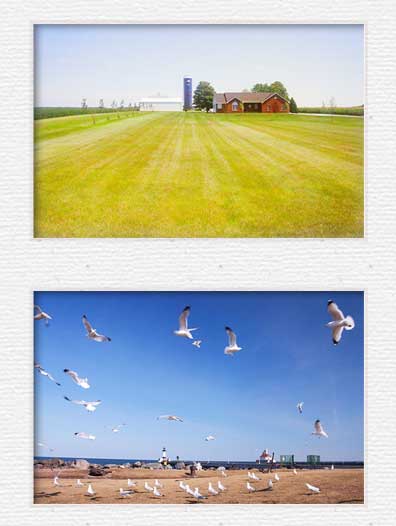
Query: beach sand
[(341, 486)]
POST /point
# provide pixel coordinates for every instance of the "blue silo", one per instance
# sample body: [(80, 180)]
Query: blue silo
[(187, 93)]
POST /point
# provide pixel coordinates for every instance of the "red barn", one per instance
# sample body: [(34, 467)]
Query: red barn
[(235, 102)]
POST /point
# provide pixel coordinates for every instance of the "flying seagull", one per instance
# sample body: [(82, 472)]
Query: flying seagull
[(170, 417), (212, 490), (209, 438), (232, 346), (125, 493), (82, 382), (41, 444), (87, 436), (89, 406), (183, 325), (319, 430), (312, 488), (197, 343), (45, 373), (90, 491), (339, 323), (300, 406), (41, 315), (250, 487), (116, 429), (92, 333)]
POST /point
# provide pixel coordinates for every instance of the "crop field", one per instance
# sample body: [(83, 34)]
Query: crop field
[(165, 174)]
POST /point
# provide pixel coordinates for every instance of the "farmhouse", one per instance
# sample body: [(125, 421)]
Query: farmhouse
[(234, 102)]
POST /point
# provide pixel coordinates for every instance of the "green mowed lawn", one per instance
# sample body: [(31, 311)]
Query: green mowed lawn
[(181, 174)]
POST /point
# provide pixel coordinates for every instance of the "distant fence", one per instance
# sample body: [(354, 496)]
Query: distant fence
[(50, 112), (355, 110)]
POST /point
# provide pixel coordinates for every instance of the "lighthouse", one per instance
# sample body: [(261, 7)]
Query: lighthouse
[(164, 458)]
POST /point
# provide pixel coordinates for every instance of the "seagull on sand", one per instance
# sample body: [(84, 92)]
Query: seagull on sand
[(295, 471), (209, 438), (212, 490), (183, 325), (158, 484), (156, 492), (270, 484), (82, 382), (319, 432), (45, 373), (56, 481), (253, 476), (232, 346), (182, 485), (188, 490), (223, 473), (79, 484), (300, 406), (197, 343), (312, 488), (81, 434), (339, 323), (277, 477), (148, 487), (89, 406), (197, 494), (250, 487), (41, 315), (332, 467), (170, 417), (220, 486), (90, 491), (92, 333), (125, 492), (131, 483)]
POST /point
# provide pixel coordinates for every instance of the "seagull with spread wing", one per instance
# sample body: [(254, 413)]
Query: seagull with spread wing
[(82, 382), (92, 334), (89, 406), (41, 315), (339, 323), (300, 406), (183, 329), (232, 346), (197, 343), (170, 417), (87, 436), (319, 431), (43, 372), (209, 438)]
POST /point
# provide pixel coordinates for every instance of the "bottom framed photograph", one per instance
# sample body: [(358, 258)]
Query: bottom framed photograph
[(199, 397)]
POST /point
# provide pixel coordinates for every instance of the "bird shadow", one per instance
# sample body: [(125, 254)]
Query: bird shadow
[(45, 494)]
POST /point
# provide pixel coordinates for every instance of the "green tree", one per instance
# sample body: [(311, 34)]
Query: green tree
[(203, 96), (293, 106), (275, 87)]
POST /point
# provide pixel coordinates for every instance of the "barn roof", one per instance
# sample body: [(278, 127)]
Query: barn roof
[(243, 96)]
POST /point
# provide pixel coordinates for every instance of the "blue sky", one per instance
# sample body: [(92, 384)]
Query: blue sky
[(315, 62), (247, 401)]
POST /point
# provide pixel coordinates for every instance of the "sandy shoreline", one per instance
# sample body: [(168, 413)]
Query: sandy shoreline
[(341, 486)]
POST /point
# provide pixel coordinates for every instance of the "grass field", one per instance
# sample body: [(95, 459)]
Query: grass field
[(199, 175)]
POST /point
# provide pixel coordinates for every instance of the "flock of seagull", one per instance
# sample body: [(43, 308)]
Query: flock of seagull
[(339, 323), (155, 489)]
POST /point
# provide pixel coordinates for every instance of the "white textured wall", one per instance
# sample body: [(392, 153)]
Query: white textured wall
[(97, 264)]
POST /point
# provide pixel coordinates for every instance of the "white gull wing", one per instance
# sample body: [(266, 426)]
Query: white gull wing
[(334, 311), (337, 334), (86, 323), (183, 323), (231, 336)]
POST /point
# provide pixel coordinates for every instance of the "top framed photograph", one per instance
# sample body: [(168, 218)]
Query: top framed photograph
[(199, 131)]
